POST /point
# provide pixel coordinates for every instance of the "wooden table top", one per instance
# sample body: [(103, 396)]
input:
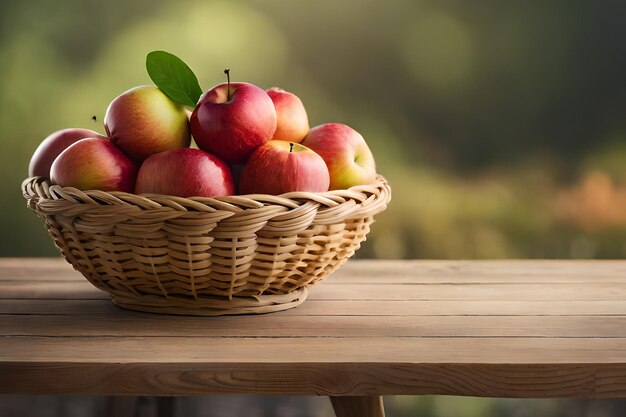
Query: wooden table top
[(490, 328)]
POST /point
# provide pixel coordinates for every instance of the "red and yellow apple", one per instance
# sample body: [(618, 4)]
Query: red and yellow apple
[(279, 167), (350, 161), (94, 164), (52, 146), (292, 122), (231, 120), (143, 121), (185, 172)]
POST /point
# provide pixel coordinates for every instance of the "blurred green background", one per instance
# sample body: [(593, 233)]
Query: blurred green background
[(500, 125)]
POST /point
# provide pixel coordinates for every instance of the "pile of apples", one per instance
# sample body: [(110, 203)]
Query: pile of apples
[(250, 140)]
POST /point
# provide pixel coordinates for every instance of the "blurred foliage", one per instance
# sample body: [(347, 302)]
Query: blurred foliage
[(500, 125), (446, 406)]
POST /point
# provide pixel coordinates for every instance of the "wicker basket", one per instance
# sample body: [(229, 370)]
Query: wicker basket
[(206, 256)]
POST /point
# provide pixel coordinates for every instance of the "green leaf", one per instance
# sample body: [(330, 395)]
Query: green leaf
[(173, 77)]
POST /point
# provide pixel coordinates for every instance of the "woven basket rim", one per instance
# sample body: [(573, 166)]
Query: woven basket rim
[(378, 191)]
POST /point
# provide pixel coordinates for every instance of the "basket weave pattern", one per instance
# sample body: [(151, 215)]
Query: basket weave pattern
[(206, 256)]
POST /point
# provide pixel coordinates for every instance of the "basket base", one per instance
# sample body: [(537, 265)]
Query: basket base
[(213, 306)]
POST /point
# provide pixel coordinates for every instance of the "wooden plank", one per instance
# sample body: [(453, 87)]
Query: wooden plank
[(491, 271), (352, 308), (460, 292), (77, 290), (398, 350), (316, 378), (61, 307), (359, 271), (510, 328), (465, 292), (314, 326), (37, 269)]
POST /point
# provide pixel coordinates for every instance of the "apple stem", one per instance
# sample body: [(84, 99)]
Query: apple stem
[(227, 72), (290, 147)]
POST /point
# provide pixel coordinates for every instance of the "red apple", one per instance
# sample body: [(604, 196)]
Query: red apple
[(232, 123), (143, 121), (279, 167), (185, 172), (292, 122), (52, 146), (94, 164), (349, 159)]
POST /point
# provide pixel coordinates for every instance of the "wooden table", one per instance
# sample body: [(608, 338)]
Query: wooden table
[(523, 329)]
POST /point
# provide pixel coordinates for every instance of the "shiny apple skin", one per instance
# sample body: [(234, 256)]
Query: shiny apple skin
[(350, 161), (52, 146), (275, 169), (292, 121), (94, 164), (143, 121), (233, 128), (185, 172)]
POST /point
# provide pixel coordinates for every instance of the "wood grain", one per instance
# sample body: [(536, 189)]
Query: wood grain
[(374, 271), (433, 292), (323, 307), (392, 350), (332, 379), (121, 325), (498, 328)]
